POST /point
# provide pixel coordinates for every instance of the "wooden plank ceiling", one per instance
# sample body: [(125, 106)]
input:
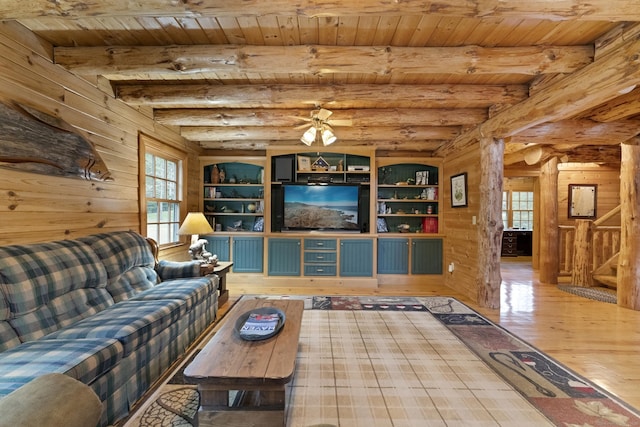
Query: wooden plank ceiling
[(552, 78)]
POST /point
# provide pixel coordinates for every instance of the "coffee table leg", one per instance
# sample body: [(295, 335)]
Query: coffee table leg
[(265, 408)]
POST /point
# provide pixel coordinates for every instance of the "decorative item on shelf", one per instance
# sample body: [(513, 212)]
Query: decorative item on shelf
[(340, 165), (237, 226), (382, 225), (251, 207), (432, 193), (320, 164), (215, 175), (304, 163), (385, 173), (195, 224), (223, 175), (404, 228), (422, 177)]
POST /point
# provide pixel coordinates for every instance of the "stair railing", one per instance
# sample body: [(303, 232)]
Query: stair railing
[(593, 244)]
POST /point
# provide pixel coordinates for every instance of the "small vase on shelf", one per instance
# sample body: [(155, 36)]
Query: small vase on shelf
[(215, 175)]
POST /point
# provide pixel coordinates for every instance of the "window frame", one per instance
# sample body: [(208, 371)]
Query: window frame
[(509, 210), (151, 145)]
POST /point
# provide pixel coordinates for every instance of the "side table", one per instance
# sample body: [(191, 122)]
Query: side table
[(220, 269)]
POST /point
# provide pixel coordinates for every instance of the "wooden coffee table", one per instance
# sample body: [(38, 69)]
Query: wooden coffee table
[(259, 369)]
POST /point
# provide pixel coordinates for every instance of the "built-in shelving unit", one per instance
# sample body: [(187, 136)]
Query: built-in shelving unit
[(407, 197), (233, 194), (398, 242)]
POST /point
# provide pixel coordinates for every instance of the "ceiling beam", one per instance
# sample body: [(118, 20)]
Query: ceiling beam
[(396, 133), (293, 117), (314, 96), (603, 10), (426, 148), (322, 60), (582, 132), (599, 82)]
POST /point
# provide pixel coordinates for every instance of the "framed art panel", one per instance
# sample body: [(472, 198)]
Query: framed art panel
[(459, 190), (582, 200)]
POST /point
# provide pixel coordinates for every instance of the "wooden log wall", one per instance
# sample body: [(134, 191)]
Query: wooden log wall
[(38, 207), (608, 194), (461, 243)]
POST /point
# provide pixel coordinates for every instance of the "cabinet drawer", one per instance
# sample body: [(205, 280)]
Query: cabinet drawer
[(319, 270), (330, 244), (319, 256)]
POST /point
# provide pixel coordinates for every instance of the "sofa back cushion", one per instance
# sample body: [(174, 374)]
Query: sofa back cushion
[(128, 260), (45, 286)]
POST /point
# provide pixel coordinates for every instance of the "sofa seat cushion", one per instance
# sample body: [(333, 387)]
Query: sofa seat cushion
[(82, 359), (192, 291), (133, 323)]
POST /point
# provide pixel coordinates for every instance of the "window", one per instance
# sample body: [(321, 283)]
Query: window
[(517, 209), (162, 193)]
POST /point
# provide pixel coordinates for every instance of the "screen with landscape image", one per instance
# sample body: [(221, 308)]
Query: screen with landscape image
[(321, 207)]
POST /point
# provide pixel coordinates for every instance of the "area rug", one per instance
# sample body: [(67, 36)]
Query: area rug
[(594, 293), (424, 361)]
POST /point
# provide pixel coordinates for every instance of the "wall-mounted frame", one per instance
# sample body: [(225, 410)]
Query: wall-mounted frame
[(583, 200), (459, 190)]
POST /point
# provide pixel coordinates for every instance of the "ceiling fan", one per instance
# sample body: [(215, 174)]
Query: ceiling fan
[(320, 126)]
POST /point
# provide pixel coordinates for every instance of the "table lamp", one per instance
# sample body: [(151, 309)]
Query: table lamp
[(195, 224)]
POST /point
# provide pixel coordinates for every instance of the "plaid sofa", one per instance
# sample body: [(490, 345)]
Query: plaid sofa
[(100, 310)]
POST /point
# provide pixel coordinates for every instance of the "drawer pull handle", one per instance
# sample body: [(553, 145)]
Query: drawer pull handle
[(320, 270), (320, 244), (319, 257)]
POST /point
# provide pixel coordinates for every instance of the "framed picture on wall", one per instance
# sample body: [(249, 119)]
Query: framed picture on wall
[(582, 200), (459, 190)]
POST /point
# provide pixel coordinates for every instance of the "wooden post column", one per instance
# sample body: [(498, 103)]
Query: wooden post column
[(549, 246), (490, 224), (582, 274), (629, 258)]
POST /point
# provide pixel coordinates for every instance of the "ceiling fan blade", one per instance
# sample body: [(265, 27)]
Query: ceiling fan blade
[(341, 122), (304, 126), (324, 114)]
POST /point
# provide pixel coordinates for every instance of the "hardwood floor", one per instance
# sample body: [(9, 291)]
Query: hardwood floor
[(597, 340)]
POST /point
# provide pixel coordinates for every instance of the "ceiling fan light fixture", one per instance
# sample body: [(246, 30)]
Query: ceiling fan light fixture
[(328, 137), (309, 136)]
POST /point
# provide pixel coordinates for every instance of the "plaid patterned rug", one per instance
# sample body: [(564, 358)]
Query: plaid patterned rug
[(381, 361)]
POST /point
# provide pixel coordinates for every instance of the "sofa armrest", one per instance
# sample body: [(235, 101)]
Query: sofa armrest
[(53, 400), (178, 269)]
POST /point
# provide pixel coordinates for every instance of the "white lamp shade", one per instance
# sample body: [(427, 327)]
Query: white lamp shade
[(309, 136), (328, 137), (195, 223)]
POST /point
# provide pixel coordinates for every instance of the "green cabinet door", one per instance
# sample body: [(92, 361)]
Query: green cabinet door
[(393, 256), (356, 257), (247, 254), (284, 257), (426, 256)]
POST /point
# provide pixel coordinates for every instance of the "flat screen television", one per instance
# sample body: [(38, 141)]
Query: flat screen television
[(322, 206)]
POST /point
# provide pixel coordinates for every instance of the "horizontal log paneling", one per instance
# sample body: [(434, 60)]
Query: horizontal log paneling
[(39, 207), (461, 246)]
